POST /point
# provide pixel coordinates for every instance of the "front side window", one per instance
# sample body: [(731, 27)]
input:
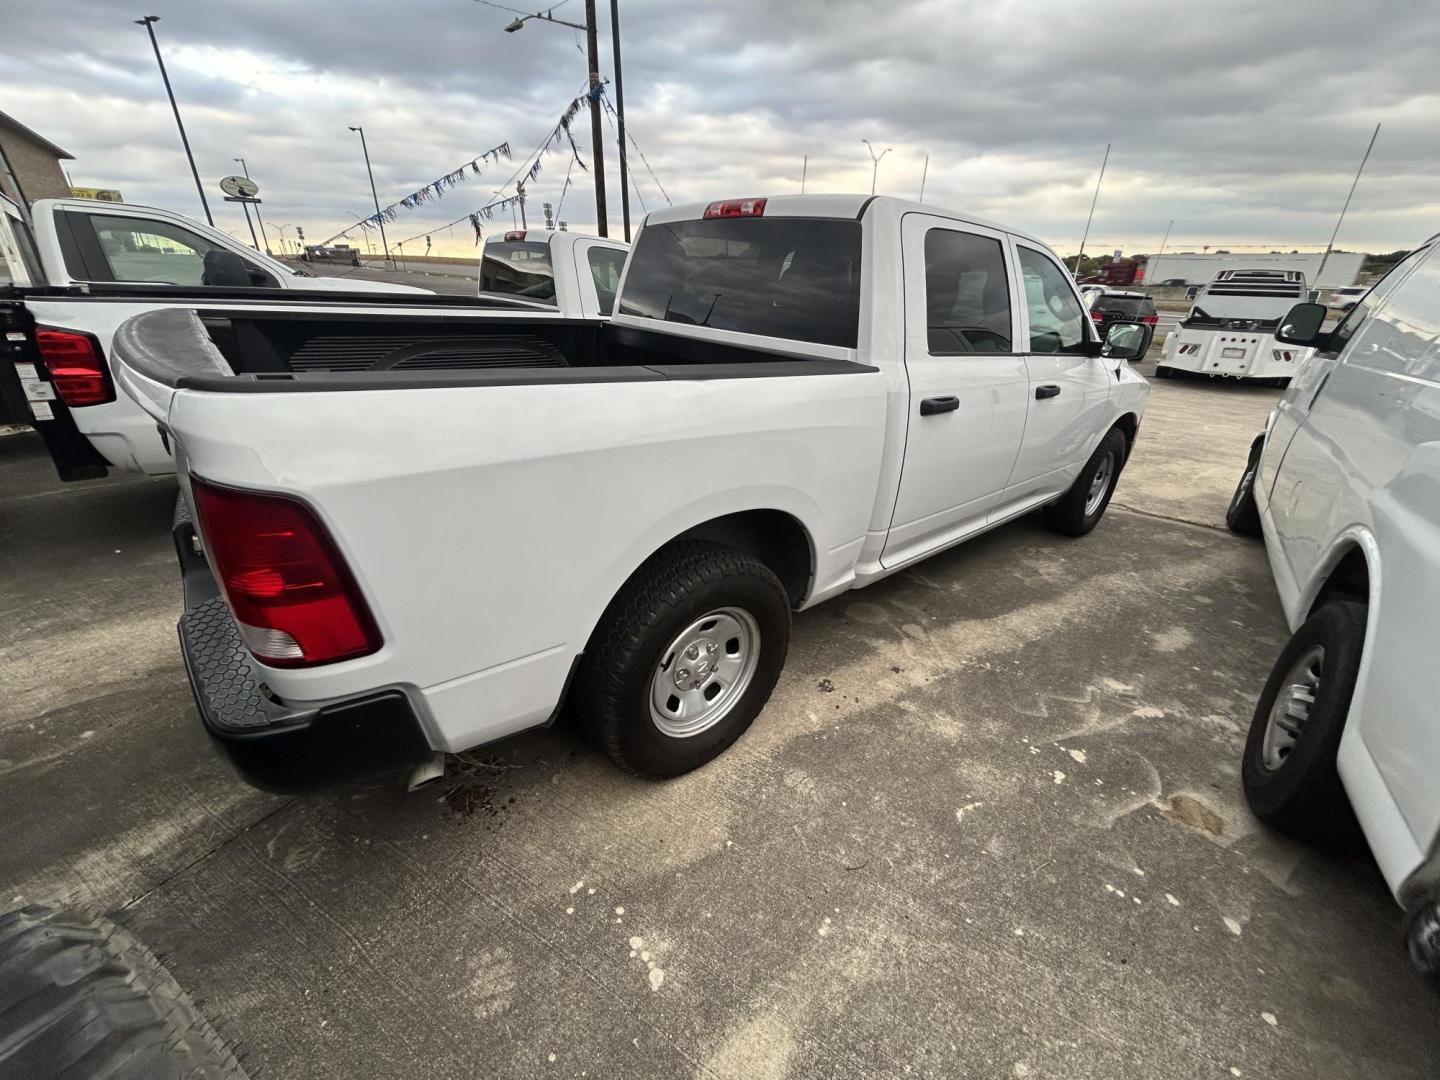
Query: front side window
[(605, 267), (967, 294), (1057, 321), (1365, 306), (137, 249), (792, 278), (518, 268), (1404, 339)]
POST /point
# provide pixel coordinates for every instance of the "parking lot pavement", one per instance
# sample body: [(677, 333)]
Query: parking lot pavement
[(990, 825)]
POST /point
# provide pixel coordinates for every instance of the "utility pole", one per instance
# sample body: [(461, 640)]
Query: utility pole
[(263, 234), (597, 139), (620, 117), (1331, 246), (1105, 161), (149, 22), (379, 219)]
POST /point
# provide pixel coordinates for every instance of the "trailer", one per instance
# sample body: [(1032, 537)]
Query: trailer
[(1230, 331)]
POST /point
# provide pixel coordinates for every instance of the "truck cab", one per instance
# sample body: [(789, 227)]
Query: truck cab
[(576, 273)]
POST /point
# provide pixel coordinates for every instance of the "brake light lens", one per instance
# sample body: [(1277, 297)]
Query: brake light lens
[(77, 370), (1151, 320), (288, 587), (1098, 316), (736, 208), (514, 234)]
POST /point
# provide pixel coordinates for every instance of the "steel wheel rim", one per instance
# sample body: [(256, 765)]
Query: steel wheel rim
[(704, 672), (1100, 484), (1291, 709)]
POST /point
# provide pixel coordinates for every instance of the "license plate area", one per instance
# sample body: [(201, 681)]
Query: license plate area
[(1232, 354)]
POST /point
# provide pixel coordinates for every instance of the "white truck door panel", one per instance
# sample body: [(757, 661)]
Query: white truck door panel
[(968, 387), (1069, 403)]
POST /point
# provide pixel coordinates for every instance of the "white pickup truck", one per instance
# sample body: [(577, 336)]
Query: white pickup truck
[(91, 265), (797, 396), (1230, 331)]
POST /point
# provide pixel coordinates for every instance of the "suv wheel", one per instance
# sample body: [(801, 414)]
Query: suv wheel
[(1080, 509)]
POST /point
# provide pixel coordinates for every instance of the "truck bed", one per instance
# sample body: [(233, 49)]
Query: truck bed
[(286, 351)]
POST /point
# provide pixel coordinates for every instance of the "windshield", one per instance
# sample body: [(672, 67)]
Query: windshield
[(792, 278), (518, 268)]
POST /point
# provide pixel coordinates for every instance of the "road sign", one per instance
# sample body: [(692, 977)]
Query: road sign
[(242, 187)]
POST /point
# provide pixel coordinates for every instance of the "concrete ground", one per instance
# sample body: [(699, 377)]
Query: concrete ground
[(990, 825)]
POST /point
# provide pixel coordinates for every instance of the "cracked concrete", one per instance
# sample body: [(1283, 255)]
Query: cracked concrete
[(989, 825)]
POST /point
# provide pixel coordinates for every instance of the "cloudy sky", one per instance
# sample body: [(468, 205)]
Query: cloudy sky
[(1243, 120)]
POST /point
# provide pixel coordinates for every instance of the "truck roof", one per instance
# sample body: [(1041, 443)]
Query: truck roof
[(838, 206)]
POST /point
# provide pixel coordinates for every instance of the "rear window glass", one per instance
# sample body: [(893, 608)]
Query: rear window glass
[(1123, 305), (518, 268), (792, 278)]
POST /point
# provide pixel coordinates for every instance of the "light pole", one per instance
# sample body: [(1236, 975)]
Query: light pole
[(258, 218), (596, 139), (379, 220), (875, 162), (149, 22)]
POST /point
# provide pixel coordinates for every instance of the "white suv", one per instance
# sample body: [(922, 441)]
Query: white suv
[(1345, 298), (1345, 485)]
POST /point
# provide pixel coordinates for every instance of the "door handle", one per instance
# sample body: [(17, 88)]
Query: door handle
[(932, 405), (1042, 392)]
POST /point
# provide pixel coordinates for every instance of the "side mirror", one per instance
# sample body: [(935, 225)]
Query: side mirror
[(1302, 326), (1127, 341)]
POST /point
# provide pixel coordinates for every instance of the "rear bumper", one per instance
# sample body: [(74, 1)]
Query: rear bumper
[(274, 745)]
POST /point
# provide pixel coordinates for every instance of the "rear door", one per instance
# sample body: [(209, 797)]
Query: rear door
[(968, 385), (1069, 402)]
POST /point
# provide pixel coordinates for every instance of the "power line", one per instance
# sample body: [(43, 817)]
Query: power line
[(643, 158)]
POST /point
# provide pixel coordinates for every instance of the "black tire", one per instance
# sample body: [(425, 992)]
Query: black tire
[(677, 586), (81, 997), (1302, 794), (1242, 516), (1422, 940), (1067, 515)]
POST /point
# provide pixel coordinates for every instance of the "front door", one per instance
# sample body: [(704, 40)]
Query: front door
[(1070, 389), (968, 385)]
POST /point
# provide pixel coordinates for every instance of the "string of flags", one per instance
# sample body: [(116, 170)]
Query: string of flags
[(436, 188)]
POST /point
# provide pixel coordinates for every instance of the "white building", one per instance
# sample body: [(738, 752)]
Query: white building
[(1342, 268)]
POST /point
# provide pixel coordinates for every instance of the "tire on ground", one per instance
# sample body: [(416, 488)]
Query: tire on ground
[(1303, 796), (1242, 516), (1067, 515), (81, 997), (678, 585)]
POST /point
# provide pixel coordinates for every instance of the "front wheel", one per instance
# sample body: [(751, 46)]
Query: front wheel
[(684, 659), (1242, 516), (1080, 509), (1289, 771)]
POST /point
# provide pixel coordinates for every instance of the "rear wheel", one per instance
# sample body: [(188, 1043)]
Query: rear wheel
[(684, 659), (1080, 509), (1289, 771)]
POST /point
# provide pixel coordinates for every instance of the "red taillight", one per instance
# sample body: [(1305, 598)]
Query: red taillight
[(736, 208), (287, 585), (514, 234), (77, 370), (1098, 316), (1151, 320)]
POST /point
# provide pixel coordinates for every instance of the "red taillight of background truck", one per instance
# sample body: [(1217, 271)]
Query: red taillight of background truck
[(288, 586), (77, 370), (1150, 320)]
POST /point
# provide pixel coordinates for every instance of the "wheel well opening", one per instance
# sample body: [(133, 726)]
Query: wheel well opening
[(773, 537), (1350, 580), (1128, 426)]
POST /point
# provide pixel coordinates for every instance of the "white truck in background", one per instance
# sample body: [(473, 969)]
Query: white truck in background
[(1230, 330), (796, 396), (87, 266), (576, 273)]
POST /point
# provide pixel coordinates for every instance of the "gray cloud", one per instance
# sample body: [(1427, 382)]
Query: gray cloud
[(1242, 121)]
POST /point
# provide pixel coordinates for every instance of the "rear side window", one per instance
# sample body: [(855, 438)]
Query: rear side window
[(137, 249), (967, 294), (792, 278), (605, 267), (1057, 321), (518, 268)]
